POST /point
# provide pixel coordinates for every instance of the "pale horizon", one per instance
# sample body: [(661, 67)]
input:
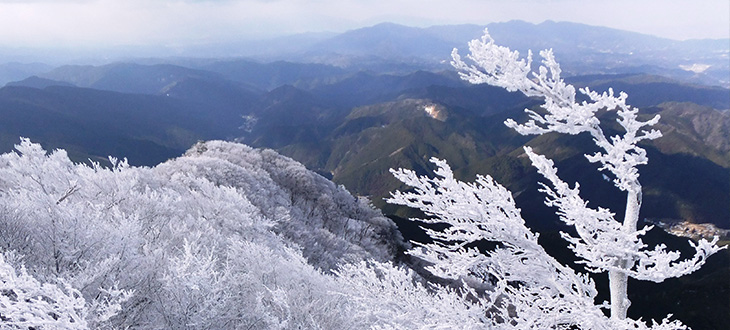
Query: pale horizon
[(171, 23)]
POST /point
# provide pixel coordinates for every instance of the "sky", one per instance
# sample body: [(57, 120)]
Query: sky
[(101, 23)]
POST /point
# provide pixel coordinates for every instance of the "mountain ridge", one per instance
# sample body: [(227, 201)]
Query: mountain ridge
[(395, 47)]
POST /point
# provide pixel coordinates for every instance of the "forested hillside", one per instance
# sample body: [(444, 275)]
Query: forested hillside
[(223, 236), (259, 193)]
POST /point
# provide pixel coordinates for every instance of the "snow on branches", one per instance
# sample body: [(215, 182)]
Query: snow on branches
[(523, 287), (27, 303), (538, 291), (552, 293), (499, 66), (602, 244)]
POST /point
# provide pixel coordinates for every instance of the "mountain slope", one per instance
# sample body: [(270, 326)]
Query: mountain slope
[(364, 87), (38, 82), (14, 71), (695, 130), (126, 77), (372, 139), (91, 123), (268, 76), (222, 235), (649, 90), (387, 40), (580, 48)]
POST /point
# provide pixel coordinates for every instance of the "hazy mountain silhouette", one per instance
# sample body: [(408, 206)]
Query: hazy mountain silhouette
[(38, 82), (14, 71), (267, 76), (126, 77), (147, 129), (580, 48), (647, 90)]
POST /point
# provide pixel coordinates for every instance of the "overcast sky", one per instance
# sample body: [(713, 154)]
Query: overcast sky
[(179, 22)]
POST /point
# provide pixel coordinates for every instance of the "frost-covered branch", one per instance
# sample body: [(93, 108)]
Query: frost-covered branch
[(522, 287), (499, 66), (542, 293), (485, 210), (27, 303), (602, 244)]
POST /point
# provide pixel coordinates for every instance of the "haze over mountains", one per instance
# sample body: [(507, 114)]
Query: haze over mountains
[(351, 106), (582, 49)]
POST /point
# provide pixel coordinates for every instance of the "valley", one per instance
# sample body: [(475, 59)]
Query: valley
[(352, 106)]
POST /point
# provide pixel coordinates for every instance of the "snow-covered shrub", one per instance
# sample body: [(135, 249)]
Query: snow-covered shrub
[(230, 237)]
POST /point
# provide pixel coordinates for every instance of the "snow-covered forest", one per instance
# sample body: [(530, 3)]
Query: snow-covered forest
[(225, 236), (231, 237)]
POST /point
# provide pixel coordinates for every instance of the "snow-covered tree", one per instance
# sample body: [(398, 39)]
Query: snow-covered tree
[(26, 303), (384, 296), (226, 236), (529, 289)]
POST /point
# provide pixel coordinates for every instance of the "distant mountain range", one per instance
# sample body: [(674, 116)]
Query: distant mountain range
[(387, 47), (581, 49), (354, 126), (352, 106)]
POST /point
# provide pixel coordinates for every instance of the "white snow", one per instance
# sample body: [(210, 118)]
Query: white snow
[(431, 111), (695, 67)]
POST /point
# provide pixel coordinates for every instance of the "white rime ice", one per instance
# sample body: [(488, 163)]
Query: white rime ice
[(527, 288), (225, 237), (230, 237)]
